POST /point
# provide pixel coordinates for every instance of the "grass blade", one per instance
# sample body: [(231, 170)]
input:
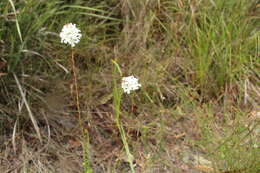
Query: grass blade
[(16, 21), (36, 127)]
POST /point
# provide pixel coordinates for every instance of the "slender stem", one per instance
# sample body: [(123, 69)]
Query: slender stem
[(75, 84), (83, 131)]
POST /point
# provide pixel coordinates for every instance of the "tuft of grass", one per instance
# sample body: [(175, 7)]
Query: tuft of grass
[(232, 143)]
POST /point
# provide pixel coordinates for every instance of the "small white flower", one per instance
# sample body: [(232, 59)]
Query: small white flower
[(129, 84), (70, 34)]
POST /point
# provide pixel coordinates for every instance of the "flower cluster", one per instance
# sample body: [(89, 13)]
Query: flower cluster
[(129, 84), (70, 34)]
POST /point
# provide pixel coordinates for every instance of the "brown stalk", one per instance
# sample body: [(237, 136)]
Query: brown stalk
[(75, 85), (84, 132)]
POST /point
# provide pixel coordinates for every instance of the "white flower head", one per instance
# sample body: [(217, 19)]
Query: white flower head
[(70, 34), (129, 84)]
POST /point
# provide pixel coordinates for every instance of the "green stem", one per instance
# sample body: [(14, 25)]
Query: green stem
[(117, 102)]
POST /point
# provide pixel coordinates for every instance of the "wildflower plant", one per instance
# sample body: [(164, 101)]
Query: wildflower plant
[(71, 35), (128, 84)]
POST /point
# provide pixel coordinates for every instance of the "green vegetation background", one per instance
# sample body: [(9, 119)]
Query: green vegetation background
[(197, 61)]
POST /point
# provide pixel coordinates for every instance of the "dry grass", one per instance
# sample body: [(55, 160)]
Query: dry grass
[(197, 110)]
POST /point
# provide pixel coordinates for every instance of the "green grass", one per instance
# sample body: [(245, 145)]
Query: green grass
[(197, 61)]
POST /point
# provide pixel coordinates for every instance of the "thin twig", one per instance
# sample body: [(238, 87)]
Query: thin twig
[(13, 136)]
